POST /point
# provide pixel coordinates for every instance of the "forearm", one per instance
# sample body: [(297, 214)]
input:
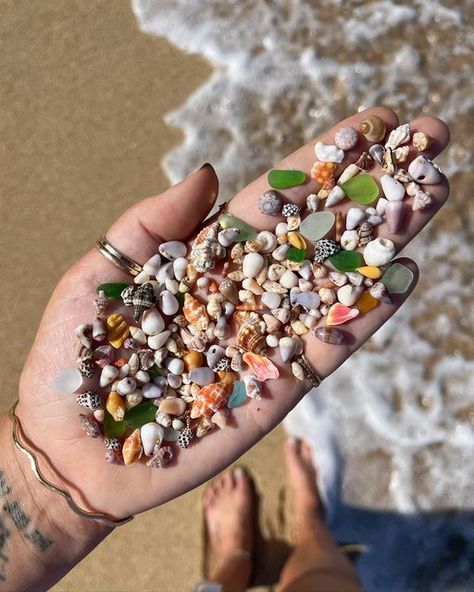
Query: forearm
[(41, 539)]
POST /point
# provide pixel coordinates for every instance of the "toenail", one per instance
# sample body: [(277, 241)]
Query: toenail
[(239, 472)]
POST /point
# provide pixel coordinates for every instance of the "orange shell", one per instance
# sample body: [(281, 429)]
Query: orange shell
[(210, 398), (195, 312), (261, 366), (251, 339), (322, 171), (132, 448)]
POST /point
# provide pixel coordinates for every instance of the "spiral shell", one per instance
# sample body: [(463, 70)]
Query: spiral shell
[(251, 337), (210, 399), (206, 248), (117, 330), (89, 425), (100, 303), (270, 203), (365, 234), (143, 298), (195, 312), (373, 128), (162, 458)]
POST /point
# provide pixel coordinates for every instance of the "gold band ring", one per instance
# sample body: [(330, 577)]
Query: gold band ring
[(117, 258), (309, 372)]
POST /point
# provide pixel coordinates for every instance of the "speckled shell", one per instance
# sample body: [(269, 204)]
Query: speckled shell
[(117, 330), (195, 312), (143, 298), (132, 448), (210, 398)]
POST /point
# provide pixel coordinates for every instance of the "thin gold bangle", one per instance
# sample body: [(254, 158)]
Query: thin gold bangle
[(42, 479)]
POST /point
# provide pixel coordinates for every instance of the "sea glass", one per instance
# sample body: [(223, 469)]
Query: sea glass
[(283, 179), (397, 278), (346, 260), (294, 254), (366, 302), (67, 381), (247, 232), (237, 396), (112, 290), (317, 225), (361, 189)]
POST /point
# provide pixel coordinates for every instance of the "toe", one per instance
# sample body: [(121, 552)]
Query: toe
[(227, 482), (242, 481)]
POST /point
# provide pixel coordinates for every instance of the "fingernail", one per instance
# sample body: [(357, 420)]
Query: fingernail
[(206, 165)]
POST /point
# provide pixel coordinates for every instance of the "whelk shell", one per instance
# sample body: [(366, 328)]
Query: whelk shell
[(210, 399), (195, 312)]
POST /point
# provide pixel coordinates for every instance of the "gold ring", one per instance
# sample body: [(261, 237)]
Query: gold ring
[(309, 371), (117, 258)]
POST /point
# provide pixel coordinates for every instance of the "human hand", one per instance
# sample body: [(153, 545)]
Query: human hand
[(50, 421)]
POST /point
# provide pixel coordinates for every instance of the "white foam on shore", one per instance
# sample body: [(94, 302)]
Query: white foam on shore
[(282, 72)]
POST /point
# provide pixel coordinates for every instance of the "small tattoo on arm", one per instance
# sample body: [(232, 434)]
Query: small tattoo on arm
[(4, 489), (4, 534), (16, 513)]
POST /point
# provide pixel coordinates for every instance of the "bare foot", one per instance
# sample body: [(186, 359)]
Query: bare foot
[(302, 480), (228, 510)]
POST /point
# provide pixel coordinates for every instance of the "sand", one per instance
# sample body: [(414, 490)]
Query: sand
[(82, 99)]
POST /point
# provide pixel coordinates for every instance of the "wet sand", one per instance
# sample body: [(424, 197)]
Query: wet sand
[(82, 99)]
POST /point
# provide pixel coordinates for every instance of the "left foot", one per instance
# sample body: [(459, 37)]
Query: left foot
[(228, 511)]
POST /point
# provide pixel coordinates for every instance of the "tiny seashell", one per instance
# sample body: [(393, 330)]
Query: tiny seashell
[(319, 271), (172, 406), (115, 405), (228, 309), (210, 399), (298, 327), (195, 312), (373, 128), (152, 265), (379, 252), (86, 368), (143, 298), (401, 153), (246, 296), (90, 400), (393, 189), (133, 399), (364, 234), (328, 152), (389, 162), (126, 386), (282, 314), (288, 347), (346, 137), (127, 295), (421, 200), (377, 152), (374, 220), (161, 458), (236, 276), (220, 418), (293, 222), (355, 216), (297, 371), (400, 135), (270, 286), (179, 268), (90, 426), (424, 171), (204, 427), (152, 390), (152, 322), (227, 236), (253, 388), (355, 278), (168, 303), (175, 365), (173, 249), (312, 202), (270, 203), (322, 172), (198, 342), (340, 313), (185, 438), (402, 176), (272, 324), (151, 436), (174, 380), (327, 295), (252, 264), (325, 248), (229, 290), (307, 300), (275, 271), (421, 141), (202, 376), (108, 375), (338, 278), (290, 209), (163, 419), (305, 285), (251, 285), (250, 337), (100, 303), (147, 358), (84, 334), (350, 171), (335, 196), (138, 334), (289, 279), (132, 448), (394, 215), (329, 335), (99, 415), (349, 294), (237, 251), (379, 291), (349, 240), (213, 308), (267, 240)]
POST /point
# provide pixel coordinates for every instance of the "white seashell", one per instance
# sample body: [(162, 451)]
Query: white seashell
[(108, 375), (152, 322), (270, 286), (312, 202), (214, 354), (126, 386), (221, 330), (253, 387), (308, 300), (356, 278), (271, 340), (252, 264), (424, 171), (393, 189), (138, 334), (337, 277), (171, 285), (288, 347), (282, 314), (152, 265), (168, 303), (178, 424), (401, 153), (152, 436), (268, 241), (306, 270), (228, 309), (157, 341), (202, 376), (173, 249), (99, 331), (251, 285), (374, 220), (175, 365), (355, 216), (293, 222), (349, 240), (160, 356), (141, 277), (289, 279), (379, 251), (324, 309), (328, 152), (275, 271), (203, 283), (142, 377), (68, 380), (163, 419), (327, 296), (335, 196), (280, 252), (272, 324), (351, 171), (398, 136), (421, 200), (150, 390), (174, 381), (381, 205), (228, 236), (133, 364), (271, 300), (172, 406), (349, 294), (297, 371), (84, 334), (305, 285), (281, 228), (180, 265), (123, 371), (166, 271)]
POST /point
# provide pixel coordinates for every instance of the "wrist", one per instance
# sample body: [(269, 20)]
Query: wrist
[(43, 531)]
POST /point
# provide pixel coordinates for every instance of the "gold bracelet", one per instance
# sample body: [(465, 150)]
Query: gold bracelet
[(42, 479)]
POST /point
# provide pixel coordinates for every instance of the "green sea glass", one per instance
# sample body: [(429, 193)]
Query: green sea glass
[(346, 260), (138, 416), (283, 179), (247, 232), (112, 290), (397, 279), (112, 428), (237, 396), (361, 189), (317, 225), (294, 254)]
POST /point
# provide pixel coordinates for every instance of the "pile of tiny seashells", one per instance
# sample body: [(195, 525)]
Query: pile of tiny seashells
[(204, 321)]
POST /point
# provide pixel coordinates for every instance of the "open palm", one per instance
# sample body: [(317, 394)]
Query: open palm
[(50, 421)]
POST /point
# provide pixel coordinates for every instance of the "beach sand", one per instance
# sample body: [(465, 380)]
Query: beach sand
[(82, 99)]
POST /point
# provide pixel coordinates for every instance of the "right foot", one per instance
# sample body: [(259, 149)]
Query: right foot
[(302, 480)]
